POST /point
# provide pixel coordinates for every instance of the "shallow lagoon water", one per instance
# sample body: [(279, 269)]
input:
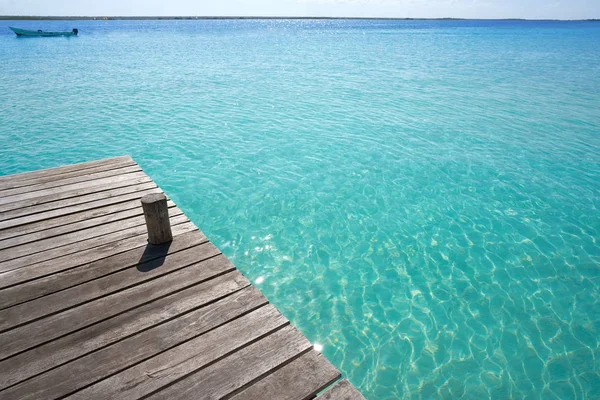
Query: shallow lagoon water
[(421, 198)]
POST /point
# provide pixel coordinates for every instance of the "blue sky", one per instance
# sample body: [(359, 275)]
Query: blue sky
[(535, 9)]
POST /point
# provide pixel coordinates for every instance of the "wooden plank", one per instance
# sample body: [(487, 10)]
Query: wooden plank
[(76, 247), (109, 360), (72, 197), (84, 257), (343, 390), (63, 169), (65, 229), (12, 317), (237, 371), (59, 185), (302, 379), (75, 276), (69, 215), (66, 184), (75, 186), (23, 248), (11, 184), (168, 367), (67, 348), (54, 326)]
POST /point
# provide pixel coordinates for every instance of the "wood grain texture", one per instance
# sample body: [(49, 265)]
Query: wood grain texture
[(343, 390), (240, 369), (65, 229), (75, 186), (32, 310), (62, 169), (44, 268), (73, 197), (54, 326), (128, 352), (103, 334), (301, 379), (61, 184), (191, 356), (107, 236), (75, 276), (23, 248), (15, 183), (51, 218)]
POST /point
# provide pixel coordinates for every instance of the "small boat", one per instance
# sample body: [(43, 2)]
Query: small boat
[(24, 32)]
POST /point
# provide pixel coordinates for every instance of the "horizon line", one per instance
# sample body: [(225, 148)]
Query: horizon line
[(199, 17)]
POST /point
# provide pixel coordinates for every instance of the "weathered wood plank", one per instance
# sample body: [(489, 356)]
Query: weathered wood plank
[(75, 276), (240, 369), (60, 351), (14, 316), (62, 169), (69, 215), (65, 229), (343, 390), (76, 247), (165, 368), (54, 243), (54, 326), (301, 379), (59, 185), (75, 186), (96, 366), (73, 197), (63, 263), (11, 184)]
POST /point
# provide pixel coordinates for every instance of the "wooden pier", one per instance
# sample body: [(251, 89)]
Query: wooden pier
[(90, 310)]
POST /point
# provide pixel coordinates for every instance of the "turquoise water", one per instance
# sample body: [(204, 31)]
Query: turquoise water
[(421, 198)]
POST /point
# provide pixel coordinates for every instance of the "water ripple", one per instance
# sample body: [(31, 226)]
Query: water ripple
[(422, 198)]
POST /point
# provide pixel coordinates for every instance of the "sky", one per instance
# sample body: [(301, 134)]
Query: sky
[(532, 9)]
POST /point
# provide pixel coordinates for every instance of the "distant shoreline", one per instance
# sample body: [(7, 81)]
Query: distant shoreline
[(86, 18)]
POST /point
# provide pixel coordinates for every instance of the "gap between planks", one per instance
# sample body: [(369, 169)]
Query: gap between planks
[(67, 184), (63, 263), (17, 197), (34, 334), (15, 183), (22, 246), (62, 169), (70, 214), (13, 317), (73, 197), (243, 305), (95, 269), (65, 248), (201, 301)]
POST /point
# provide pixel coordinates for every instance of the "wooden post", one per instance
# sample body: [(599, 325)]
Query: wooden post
[(156, 213)]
